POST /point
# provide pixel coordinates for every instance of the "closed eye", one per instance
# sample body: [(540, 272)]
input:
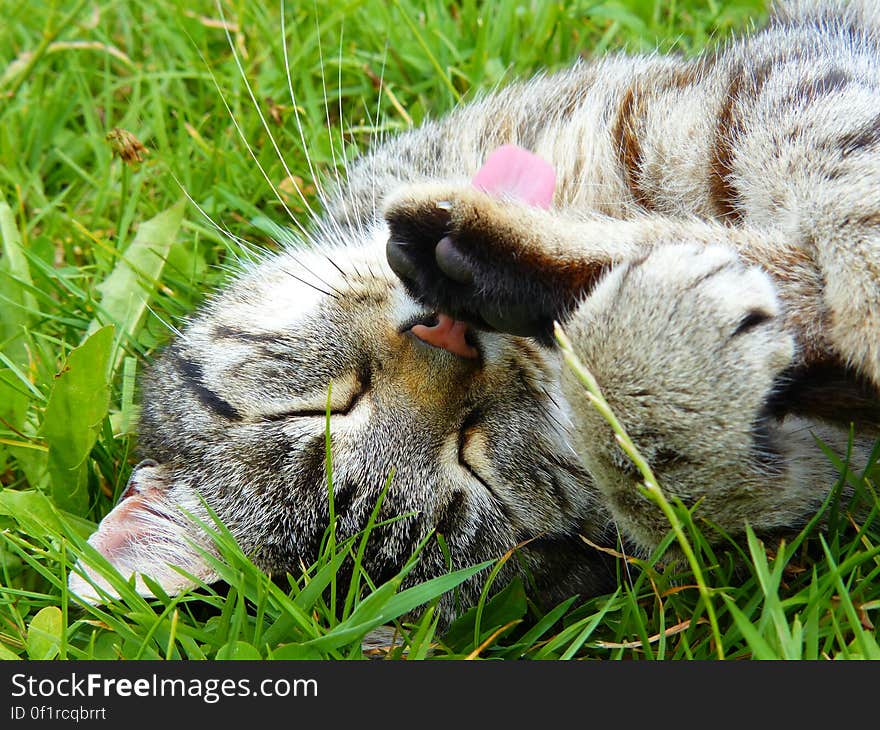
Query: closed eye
[(345, 394)]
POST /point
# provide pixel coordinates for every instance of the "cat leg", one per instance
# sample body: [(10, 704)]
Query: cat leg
[(505, 265), (845, 241), (694, 344), (811, 173), (497, 263)]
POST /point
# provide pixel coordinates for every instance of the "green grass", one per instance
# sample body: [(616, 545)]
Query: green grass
[(79, 233)]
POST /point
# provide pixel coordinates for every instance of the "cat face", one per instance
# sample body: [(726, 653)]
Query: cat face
[(473, 448)]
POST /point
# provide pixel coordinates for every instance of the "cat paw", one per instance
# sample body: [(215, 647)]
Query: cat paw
[(688, 345), (694, 324), (488, 261)]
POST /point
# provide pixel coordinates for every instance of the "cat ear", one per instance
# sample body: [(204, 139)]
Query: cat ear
[(145, 534)]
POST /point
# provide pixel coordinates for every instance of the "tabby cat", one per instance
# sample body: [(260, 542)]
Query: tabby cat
[(712, 248)]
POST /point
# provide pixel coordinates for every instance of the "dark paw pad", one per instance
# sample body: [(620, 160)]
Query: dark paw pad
[(473, 259)]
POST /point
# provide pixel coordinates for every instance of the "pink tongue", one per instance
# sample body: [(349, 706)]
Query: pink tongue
[(508, 171), (448, 333), (511, 170)]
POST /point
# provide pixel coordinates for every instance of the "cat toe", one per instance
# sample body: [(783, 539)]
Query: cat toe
[(438, 276), (401, 260), (453, 262)]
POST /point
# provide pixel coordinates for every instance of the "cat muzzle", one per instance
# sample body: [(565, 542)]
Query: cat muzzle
[(447, 334)]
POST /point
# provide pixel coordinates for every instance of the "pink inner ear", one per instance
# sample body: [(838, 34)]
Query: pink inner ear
[(514, 171), (145, 534), (124, 527)]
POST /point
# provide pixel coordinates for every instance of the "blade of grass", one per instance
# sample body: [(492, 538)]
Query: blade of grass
[(649, 481)]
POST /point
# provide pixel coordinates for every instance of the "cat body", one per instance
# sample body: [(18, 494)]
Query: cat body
[(711, 249)]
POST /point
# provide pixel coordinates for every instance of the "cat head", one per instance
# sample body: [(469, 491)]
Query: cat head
[(473, 447)]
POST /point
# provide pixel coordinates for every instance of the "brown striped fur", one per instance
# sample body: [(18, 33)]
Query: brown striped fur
[(713, 250)]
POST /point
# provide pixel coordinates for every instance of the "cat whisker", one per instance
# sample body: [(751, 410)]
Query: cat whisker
[(316, 180), (287, 238), (170, 327), (335, 293), (339, 100), (250, 149), (327, 105), (262, 117), (375, 123), (251, 250), (336, 266), (341, 160), (328, 226), (551, 415)]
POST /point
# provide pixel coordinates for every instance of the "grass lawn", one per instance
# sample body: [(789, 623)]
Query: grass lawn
[(87, 297)]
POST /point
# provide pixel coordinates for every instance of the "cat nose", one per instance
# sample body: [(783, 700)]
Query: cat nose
[(447, 334)]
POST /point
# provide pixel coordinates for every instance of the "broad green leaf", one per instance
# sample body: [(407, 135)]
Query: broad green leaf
[(105, 646), (31, 455), (32, 510), (295, 651), (77, 407), (44, 633), (127, 290), (370, 613), (16, 301), (37, 516), (7, 654), (385, 605), (420, 594), (312, 592), (531, 637), (33, 462), (14, 398), (136, 647), (128, 412), (13, 252), (505, 606), (238, 650)]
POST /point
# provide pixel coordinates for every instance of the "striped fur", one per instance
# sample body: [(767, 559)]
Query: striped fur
[(712, 248)]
